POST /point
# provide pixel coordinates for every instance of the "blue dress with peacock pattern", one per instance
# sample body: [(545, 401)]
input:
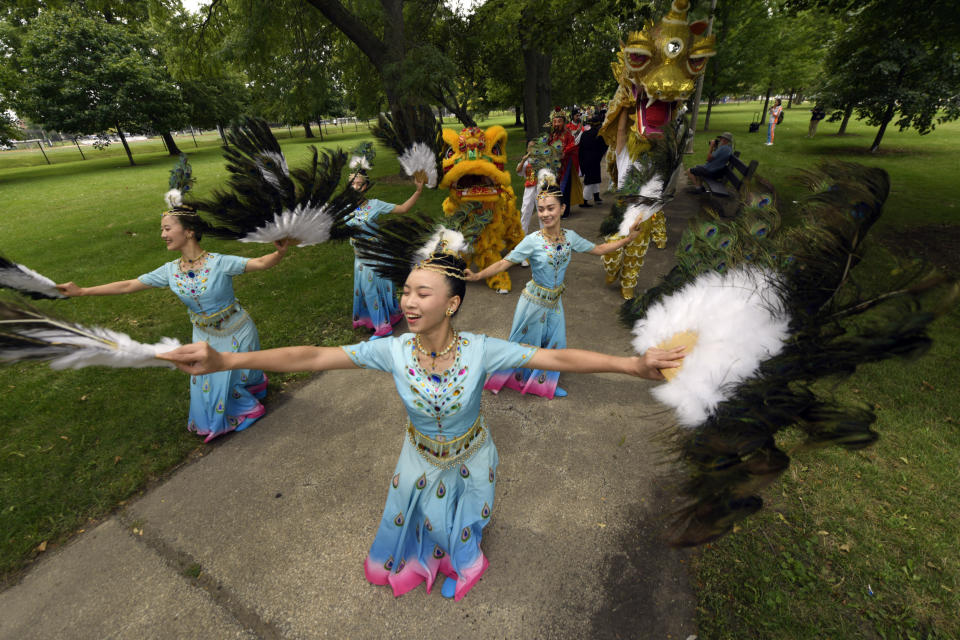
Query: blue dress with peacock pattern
[(375, 304), (227, 400), (441, 494), (538, 318)]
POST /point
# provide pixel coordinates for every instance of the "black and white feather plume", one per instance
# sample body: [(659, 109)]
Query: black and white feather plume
[(267, 201), (28, 334), (26, 281), (420, 161), (402, 241), (769, 318)]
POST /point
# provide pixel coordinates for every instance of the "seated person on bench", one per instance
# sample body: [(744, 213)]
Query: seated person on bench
[(721, 148)]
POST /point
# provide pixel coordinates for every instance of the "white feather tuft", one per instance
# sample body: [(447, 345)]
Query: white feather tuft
[(359, 162), (174, 198), (420, 157), (453, 242), (305, 225), (21, 278), (635, 212), (104, 348), (548, 176), (652, 188), (739, 320)]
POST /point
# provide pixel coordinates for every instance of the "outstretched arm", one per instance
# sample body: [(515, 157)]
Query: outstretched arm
[(71, 290), (497, 267), (581, 361), (199, 358), (406, 206), (269, 260), (607, 247)]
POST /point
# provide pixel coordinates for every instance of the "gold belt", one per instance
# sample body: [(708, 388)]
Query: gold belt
[(216, 319), (447, 453), (542, 295)]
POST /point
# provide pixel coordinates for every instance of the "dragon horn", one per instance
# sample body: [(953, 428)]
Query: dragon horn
[(678, 12)]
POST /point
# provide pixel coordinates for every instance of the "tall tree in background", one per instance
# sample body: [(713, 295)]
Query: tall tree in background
[(895, 62), (81, 74)]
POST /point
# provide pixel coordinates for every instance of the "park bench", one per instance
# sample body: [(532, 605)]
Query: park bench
[(735, 174)]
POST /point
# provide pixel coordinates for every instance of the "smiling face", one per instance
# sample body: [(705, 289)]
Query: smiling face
[(425, 300), (359, 182), (173, 234), (549, 210)]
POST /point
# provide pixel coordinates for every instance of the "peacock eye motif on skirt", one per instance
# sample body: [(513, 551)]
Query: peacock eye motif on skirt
[(441, 490), (396, 481), (388, 565), (438, 552), (465, 534), (492, 476), (464, 472), (220, 408), (206, 386), (398, 520), (422, 481), (402, 564), (427, 525), (485, 512)]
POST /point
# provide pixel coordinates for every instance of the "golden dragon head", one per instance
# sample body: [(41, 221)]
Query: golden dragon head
[(660, 65), (473, 161)]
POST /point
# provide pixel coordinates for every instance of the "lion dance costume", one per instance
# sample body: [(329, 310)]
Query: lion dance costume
[(656, 71), (481, 202)]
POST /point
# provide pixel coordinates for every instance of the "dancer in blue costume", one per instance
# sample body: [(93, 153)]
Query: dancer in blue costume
[(374, 300), (539, 318), (219, 402), (441, 494)]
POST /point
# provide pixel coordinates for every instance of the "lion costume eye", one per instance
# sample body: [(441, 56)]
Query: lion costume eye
[(495, 150), (449, 153)]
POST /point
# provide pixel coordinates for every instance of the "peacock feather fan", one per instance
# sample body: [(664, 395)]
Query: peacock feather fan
[(267, 201), (28, 334), (414, 126), (401, 241), (26, 281), (794, 295)]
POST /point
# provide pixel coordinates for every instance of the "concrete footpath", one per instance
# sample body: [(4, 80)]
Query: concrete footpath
[(265, 535)]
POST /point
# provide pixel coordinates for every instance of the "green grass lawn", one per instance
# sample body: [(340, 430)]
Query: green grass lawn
[(851, 545), (74, 444), (855, 544)]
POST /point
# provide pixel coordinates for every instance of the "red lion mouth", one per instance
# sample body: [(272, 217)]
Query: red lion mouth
[(652, 115)]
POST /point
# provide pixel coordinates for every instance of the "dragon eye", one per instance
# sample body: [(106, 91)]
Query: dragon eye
[(638, 60), (495, 150), (449, 153)]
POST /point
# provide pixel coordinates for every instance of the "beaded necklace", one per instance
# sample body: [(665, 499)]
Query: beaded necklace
[(435, 354)]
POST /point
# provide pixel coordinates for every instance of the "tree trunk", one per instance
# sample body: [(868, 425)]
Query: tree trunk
[(790, 99), (223, 134), (320, 127), (307, 131), (766, 103), (544, 102), (847, 112), (126, 147), (518, 121), (706, 119), (172, 147), (530, 93), (887, 117)]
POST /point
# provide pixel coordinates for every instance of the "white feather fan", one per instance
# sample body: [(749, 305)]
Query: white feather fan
[(419, 158)]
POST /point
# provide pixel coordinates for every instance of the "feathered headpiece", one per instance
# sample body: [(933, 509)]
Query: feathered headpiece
[(27, 281), (404, 242), (181, 181), (28, 334), (267, 201), (547, 185), (768, 316), (361, 158)]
